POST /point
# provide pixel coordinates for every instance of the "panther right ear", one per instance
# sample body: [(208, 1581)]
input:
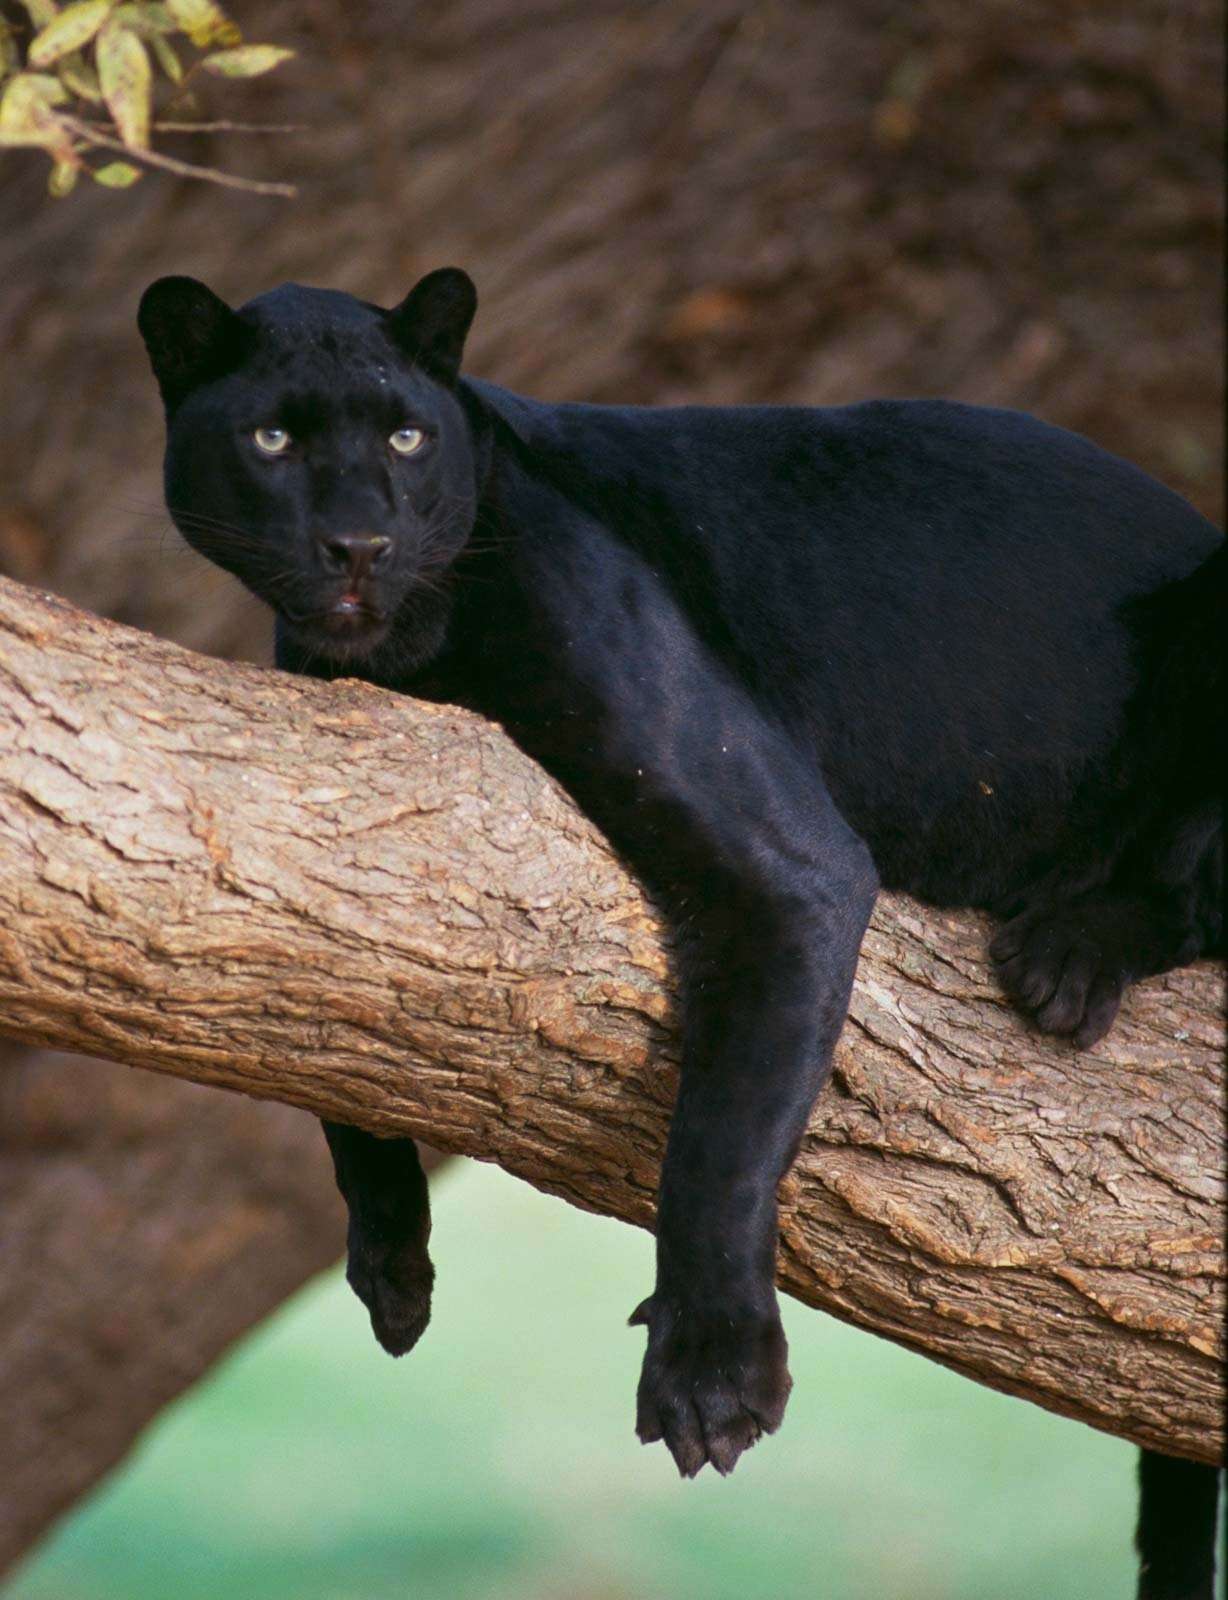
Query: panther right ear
[(432, 321), (190, 334)]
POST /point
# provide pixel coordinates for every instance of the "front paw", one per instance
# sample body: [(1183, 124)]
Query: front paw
[(395, 1286), (712, 1381)]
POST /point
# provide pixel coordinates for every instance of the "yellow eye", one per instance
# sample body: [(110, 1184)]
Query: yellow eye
[(405, 441), (272, 440)]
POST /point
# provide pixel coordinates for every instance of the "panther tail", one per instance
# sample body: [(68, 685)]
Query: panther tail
[(1178, 1501)]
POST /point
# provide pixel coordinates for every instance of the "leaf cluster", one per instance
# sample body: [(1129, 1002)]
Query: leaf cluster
[(83, 81)]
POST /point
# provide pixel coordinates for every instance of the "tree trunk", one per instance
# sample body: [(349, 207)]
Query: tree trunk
[(147, 1223), (381, 911)]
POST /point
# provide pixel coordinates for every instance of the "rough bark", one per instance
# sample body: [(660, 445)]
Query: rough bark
[(380, 910)]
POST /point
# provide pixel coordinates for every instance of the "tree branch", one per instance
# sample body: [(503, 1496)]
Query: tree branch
[(381, 911)]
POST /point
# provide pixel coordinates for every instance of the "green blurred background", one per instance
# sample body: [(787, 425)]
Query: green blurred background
[(498, 1459)]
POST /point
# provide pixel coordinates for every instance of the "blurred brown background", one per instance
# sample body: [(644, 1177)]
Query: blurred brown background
[(1016, 202)]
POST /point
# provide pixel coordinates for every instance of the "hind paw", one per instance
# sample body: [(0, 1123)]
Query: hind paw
[(1068, 966), (1062, 984)]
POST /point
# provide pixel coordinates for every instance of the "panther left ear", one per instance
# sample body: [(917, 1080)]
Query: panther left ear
[(191, 335), (431, 322)]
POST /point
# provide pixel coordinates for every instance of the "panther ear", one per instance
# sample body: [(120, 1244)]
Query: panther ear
[(431, 322), (190, 334)]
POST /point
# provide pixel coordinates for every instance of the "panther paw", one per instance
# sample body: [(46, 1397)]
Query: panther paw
[(1066, 967), (712, 1383), (395, 1286)]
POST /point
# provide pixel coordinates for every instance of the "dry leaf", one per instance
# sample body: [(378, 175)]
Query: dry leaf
[(63, 179), (126, 79), (26, 117), (76, 74), (10, 56), (41, 11), (167, 59), (204, 22), (116, 174), (74, 27), (249, 61), (147, 18)]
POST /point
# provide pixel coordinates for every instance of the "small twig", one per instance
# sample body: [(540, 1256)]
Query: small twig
[(211, 127), (185, 169), (229, 127)]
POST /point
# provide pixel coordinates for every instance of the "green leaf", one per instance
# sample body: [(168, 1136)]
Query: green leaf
[(126, 79), (147, 18), (167, 59), (10, 56), (41, 11), (248, 61), (77, 74), (44, 86), (204, 22), (63, 179), (75, 26), (26, 117), (116, 175)]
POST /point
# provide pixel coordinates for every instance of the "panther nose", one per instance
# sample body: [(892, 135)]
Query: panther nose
[(355, 554)]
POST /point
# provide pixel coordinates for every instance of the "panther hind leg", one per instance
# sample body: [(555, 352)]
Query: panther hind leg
[(1067, 958)]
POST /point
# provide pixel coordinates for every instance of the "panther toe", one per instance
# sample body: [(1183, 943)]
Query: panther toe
[(395, 1286), (711, 1384)]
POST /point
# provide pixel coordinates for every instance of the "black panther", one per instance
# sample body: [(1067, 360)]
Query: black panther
[(781, 656)]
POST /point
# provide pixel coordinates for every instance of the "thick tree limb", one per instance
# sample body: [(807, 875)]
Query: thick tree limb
[(381, 911)]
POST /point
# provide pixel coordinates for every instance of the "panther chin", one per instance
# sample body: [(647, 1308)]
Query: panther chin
[(347, 631)]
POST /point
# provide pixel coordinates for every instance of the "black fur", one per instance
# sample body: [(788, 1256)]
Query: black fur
[(781, 656), (1178, 1501)]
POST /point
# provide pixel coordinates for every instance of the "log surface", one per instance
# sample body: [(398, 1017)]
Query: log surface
[(383, 912)]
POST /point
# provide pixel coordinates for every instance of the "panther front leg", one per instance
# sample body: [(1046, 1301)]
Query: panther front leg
[(720, 808), (388, 1268), (381, 1180), (766, 970)]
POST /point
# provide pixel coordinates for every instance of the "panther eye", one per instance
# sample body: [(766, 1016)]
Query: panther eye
[(273, 441), (406, 441)]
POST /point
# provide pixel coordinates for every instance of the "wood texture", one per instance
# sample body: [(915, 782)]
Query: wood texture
[(381, 911)]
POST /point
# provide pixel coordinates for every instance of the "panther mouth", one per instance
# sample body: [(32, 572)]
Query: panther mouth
[(349, 613), (350, 625)]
